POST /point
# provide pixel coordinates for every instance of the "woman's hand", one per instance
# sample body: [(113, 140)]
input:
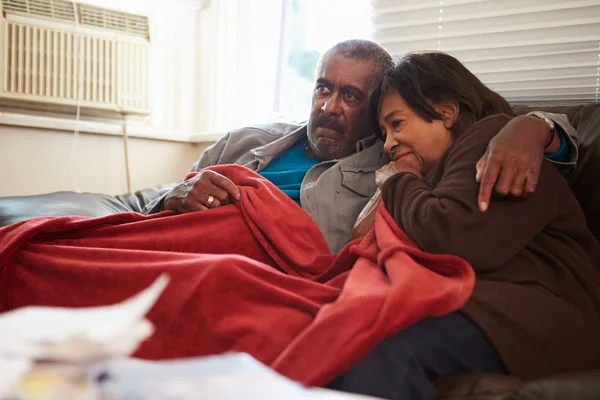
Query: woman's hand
[(366, 219), (395, 167)]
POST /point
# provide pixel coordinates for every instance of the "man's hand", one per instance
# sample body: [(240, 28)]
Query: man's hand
[(194, 194), (513, 159)]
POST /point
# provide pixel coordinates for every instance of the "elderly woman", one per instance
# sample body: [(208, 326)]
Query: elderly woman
[(536, 303)]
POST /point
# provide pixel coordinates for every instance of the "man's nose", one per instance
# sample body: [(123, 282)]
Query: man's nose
[(332, 105)]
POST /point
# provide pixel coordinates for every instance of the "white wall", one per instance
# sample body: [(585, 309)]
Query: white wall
[(35, 161)]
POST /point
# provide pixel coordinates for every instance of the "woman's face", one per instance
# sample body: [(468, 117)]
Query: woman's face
[(409, 137)]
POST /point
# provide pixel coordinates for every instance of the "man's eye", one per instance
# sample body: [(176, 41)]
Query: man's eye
[(321, 89), (350, 97)]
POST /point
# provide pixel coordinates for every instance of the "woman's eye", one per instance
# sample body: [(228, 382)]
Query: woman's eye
[(396, 123)]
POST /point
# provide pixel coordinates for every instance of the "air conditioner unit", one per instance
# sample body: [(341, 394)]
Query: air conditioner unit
[(62, 53)]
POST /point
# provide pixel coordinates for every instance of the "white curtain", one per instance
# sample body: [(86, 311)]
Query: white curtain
[(213, 63), (238, 61), (530, 51)]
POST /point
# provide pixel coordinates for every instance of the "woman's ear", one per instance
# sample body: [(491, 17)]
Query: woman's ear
[(449, 112)]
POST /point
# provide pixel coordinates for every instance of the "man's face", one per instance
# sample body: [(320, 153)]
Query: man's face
[(338, 119)]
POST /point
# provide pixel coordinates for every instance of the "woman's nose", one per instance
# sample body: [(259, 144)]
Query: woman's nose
[(391, 144)]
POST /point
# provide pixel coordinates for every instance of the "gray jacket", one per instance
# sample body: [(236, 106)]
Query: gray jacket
[(333, 192)]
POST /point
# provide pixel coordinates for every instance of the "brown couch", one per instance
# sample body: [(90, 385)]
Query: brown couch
[(584, 181)]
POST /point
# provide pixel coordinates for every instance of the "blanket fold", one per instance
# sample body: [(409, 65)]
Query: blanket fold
[(255, 276)]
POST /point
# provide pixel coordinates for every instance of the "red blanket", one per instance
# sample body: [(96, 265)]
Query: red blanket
[(254, 276)]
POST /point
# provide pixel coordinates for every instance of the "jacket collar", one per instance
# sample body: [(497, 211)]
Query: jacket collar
[(265, 154)]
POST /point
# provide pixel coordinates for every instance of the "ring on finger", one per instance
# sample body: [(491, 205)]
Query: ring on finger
[(211, 199)]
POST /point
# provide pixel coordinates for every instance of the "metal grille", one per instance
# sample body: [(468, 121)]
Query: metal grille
[(87, 15), (132, 24), (61, 10)]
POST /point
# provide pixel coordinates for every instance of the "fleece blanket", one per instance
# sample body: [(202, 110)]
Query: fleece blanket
[(255, 276)]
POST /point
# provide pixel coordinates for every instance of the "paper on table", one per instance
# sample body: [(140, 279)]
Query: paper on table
[(224, 377)]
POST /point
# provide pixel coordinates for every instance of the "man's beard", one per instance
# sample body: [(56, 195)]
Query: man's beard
[(326, 153), (342, 149)]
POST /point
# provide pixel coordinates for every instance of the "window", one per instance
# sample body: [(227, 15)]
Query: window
[(219, 65), (311, 27), (258, 57)]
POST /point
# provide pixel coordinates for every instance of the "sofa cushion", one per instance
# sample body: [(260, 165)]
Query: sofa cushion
[(585, 180), (583, 385), (16, 209), (477, 387)]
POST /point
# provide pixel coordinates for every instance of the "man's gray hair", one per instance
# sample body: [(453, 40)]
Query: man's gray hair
[(362, 50)]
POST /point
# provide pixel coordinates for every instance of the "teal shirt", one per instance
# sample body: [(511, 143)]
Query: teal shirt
[(288, 169), (563, 154)]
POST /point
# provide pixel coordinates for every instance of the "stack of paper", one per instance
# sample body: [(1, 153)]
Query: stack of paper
[(72, 336)]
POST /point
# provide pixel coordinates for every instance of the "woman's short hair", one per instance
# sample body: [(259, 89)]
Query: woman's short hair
[(424, 79)]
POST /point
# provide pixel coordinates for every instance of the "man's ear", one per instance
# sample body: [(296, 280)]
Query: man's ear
[(449, 113)]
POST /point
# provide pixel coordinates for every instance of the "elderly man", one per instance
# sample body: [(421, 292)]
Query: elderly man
[(328, 165)]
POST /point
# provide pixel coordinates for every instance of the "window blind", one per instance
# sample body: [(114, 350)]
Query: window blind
[(532, 52)]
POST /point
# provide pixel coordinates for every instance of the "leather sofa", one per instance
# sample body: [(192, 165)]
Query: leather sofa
[(584, 181)]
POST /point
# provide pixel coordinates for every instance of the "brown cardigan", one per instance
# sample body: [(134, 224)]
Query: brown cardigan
[(537, 293)]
